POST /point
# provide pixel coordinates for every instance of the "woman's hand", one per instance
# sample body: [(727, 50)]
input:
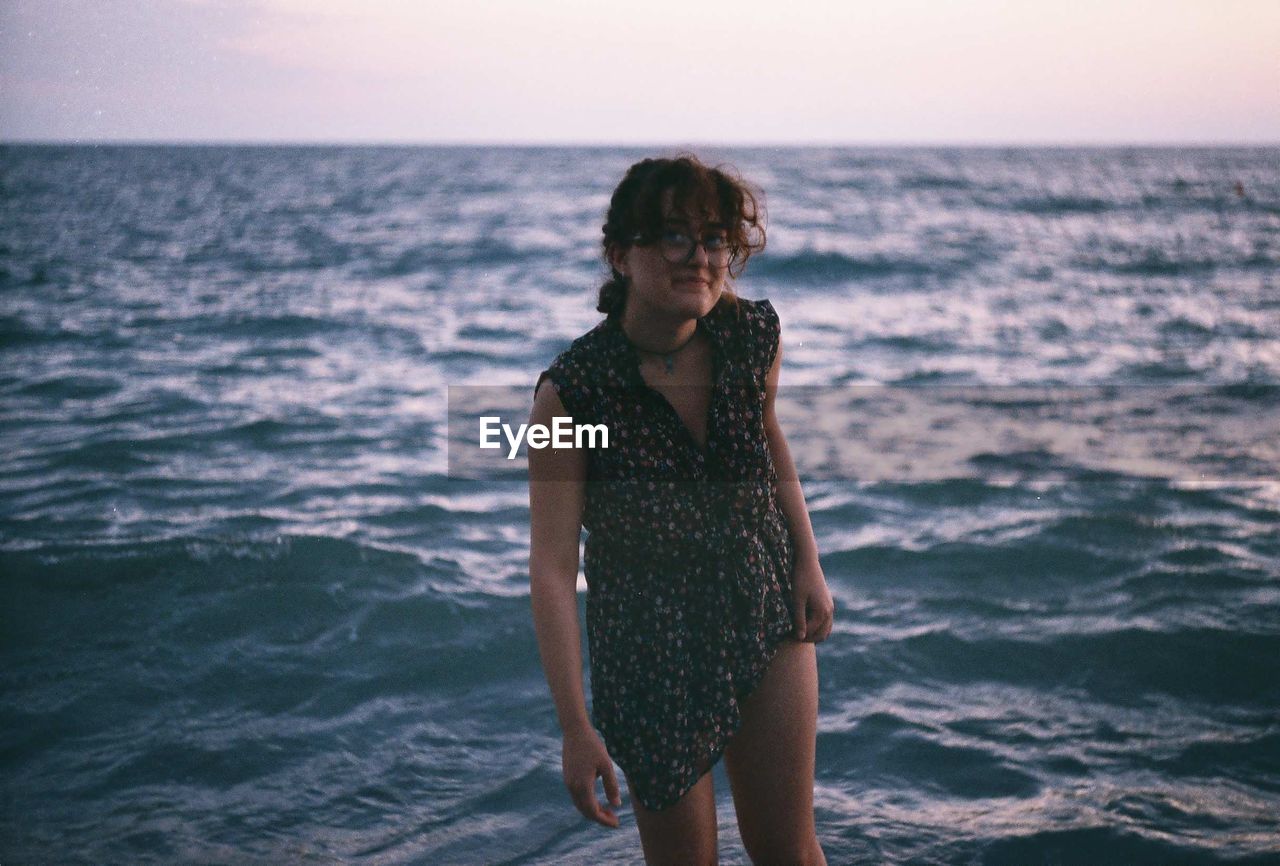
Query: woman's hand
[(583, 758), (814, 609)]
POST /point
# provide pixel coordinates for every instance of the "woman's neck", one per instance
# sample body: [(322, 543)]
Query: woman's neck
[(655, 334)]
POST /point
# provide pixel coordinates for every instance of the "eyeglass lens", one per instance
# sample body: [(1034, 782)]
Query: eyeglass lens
[(678, 248)]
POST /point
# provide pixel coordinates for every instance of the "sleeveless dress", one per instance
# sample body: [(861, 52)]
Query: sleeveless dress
[(688, 556)]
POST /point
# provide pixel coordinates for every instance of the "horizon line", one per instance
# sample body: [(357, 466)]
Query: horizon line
[(584, 144)]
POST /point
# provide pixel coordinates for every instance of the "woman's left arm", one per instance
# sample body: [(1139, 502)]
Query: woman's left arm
[(814, 609)]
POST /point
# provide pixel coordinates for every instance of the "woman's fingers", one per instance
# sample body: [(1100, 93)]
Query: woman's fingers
[(805, 619), (585, 758), (800, 617), (814, 619), (584, 799), (583, 792), (824, 630), (589, 806), (611, 785), (603, 813)]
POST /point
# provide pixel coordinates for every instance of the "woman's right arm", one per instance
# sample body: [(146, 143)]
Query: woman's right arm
[(557, 482)]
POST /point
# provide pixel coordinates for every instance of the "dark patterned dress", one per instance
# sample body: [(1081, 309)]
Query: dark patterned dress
[(688, 556)]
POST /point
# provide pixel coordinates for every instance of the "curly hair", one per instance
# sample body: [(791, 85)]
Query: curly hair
[(709, 193)]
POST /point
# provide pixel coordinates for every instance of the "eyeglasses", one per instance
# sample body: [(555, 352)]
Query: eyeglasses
[(677, 246)]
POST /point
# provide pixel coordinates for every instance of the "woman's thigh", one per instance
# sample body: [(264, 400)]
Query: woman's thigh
[(684, 833), (770, 760)]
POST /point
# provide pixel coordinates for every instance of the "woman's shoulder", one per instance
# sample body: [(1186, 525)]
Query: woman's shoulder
[(739, 311), (581, 361), (756, 322), (758, 313), (587, 350), (757, 330)]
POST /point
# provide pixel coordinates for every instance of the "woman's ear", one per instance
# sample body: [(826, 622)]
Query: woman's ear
[(617, 258)]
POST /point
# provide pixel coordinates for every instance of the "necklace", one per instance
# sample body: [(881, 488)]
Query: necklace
[(669, 357)]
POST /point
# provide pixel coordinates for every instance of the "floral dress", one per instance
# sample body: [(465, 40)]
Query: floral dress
[(688, 556)]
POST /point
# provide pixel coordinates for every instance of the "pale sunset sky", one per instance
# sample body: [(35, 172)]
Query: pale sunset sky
[(587, 71)]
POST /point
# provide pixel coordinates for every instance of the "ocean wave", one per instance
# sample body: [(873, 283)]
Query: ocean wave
[(478, 254), (1059, 205), (886, 748), (225, 615), (949, 492), (1027, 568), (1106, 844), (826, 268), (72, 387), (1123, 665), (277, 558)]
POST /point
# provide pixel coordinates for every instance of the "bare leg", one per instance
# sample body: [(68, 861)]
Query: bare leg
[(770, 762), (683, 834)]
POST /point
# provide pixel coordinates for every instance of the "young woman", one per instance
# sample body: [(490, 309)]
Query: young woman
[(705, 595)]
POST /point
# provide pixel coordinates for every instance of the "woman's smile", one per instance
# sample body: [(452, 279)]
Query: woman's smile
[(692, 282)]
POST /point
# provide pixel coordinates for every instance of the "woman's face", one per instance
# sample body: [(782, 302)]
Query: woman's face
[(684, 289)]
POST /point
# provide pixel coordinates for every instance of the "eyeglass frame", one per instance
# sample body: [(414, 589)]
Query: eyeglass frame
[(641, 239)]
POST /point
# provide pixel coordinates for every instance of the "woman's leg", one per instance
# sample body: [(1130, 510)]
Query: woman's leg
[(770, 761), (683, 834)]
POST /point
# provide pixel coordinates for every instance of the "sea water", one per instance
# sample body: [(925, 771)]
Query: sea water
[(250, 616)]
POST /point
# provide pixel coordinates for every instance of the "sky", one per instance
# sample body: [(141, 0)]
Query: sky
[(665, 71)]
